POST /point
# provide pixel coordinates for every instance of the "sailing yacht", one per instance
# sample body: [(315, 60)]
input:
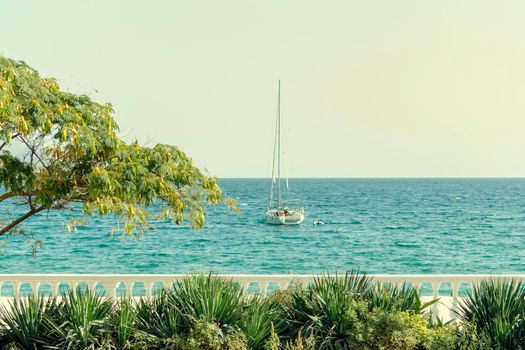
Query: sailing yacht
[(278, 212)]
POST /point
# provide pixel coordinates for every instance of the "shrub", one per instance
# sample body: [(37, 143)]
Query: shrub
[(209, 313), (333, 315), (208, 297), (260, 318), (392, 329), (157, 320), (209, 336), (352, 282), (301, 344), (80, 321), (23, 322), (274, 343), (124, 323), (403, 298), (469, 338), (281, 300), (496, 308), (333, 309)]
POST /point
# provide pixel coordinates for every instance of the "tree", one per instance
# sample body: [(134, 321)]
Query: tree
[(72, 154)]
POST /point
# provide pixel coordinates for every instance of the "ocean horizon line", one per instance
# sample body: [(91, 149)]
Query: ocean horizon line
[(385, 178)]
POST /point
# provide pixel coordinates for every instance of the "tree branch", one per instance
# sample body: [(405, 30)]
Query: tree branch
[(20, 219), (32, 148), (5, 143), (8, 195)]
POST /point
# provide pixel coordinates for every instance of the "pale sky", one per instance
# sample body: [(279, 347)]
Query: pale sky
[(370, 88)]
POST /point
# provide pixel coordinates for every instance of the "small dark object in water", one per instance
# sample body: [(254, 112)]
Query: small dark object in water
[(318, 222)]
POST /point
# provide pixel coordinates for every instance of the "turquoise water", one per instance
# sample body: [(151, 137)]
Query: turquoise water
[(379, 225)]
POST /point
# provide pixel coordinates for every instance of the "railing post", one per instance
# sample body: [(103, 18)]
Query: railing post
[(34, 288), (92, 287), (72, 287), (148, 286), (111, 288), (283, 286), (455, 295), (435, 295), (16, 290), (129, 288), (54, 289), (263, 288)]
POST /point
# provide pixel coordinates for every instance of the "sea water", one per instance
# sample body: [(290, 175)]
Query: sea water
[(377, 225)]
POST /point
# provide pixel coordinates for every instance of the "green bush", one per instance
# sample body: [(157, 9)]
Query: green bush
[(157, 320), (496, 308), (299, 343), (260, 318), (124, 322), (24, 322), (208, 313), (469, 338), (389, 329), (80, 321), (208, 297), (404, 298), (209, 336), (333, 309)]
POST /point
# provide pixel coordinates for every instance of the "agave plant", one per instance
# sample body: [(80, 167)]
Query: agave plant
[(259, 318), (124, 322), (333, 309), (354, 282), (391, 297), (157, 320), (497, 308), (208, 297), (23, 322), (81, 320)]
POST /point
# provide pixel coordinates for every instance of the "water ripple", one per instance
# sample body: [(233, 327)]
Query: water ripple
[(380, 225)]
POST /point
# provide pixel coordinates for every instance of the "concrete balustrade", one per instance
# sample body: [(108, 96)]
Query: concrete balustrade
[(254, 283)]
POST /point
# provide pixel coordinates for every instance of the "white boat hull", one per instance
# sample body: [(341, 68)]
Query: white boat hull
[(284, 217)]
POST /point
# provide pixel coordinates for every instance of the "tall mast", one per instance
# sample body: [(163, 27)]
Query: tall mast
[(274, 151), (279, 144)]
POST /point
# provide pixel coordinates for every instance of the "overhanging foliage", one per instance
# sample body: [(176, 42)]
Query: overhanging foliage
[(72, 154)]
